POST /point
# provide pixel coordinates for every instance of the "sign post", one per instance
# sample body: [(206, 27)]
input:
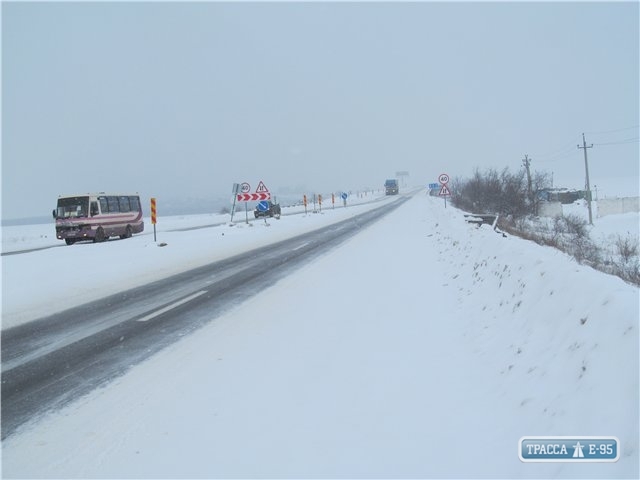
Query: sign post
[(444, 190), (234, 190), (263, 206), (154, 217), (243, 195)]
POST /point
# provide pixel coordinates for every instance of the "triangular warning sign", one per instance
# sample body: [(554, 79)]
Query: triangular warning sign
[(262, 188), (444, 191)]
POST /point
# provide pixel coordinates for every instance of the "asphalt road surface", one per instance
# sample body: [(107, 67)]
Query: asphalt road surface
[(51, 361)]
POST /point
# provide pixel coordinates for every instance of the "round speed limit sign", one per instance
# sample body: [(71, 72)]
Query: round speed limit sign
[(443, 179)]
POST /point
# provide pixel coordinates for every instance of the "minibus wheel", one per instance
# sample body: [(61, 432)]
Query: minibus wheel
[(100, 237), (127, 233)]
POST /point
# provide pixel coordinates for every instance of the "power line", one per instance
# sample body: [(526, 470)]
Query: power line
[(560, 150), (621, 142), (613, 131), (562, 153)]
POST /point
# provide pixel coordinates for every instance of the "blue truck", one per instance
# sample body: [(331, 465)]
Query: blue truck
[(391, 187)]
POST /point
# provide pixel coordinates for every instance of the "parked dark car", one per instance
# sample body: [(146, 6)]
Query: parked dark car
[(272, 210)]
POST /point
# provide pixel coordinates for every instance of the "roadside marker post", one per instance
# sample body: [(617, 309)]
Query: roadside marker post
[(154, 217)]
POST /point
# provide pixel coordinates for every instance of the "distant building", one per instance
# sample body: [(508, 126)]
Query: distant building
[(555, 202), (562, 195)]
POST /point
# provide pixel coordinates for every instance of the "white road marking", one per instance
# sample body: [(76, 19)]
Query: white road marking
[(173, 305), (300, 246)]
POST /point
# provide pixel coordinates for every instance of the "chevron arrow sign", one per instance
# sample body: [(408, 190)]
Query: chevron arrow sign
[(252, 197)]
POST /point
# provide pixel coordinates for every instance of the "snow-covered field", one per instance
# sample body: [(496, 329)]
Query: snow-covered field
[(422, 347)]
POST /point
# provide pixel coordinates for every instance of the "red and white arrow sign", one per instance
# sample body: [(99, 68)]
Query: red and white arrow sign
[(249, 197)]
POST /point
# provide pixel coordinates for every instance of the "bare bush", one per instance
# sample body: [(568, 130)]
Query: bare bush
[(576, 226), (540, 181), (626, 247), (559, 227), (585, 251), (631, 273), (502, 192), (506, 193)]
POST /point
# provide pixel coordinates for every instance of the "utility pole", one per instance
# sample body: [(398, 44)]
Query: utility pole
[(586, 169), (526, 161)]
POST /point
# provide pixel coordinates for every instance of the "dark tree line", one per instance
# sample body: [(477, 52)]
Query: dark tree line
[(502, 192), (509, 195)]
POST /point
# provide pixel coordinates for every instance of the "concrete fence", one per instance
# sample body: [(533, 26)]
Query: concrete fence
[(615, 206), (601, 208)]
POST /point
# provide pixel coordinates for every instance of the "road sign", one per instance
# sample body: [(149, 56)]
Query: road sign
[(444, 191), (245, 188), (252, 197), (263, 206), (443, 178), (433, 186), (153, 211), (262, 188), (344, 195)]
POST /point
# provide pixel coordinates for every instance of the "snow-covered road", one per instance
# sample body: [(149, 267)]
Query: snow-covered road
[(423, 347)]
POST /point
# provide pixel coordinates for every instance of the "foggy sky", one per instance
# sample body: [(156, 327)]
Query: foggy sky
[(174, 99)]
